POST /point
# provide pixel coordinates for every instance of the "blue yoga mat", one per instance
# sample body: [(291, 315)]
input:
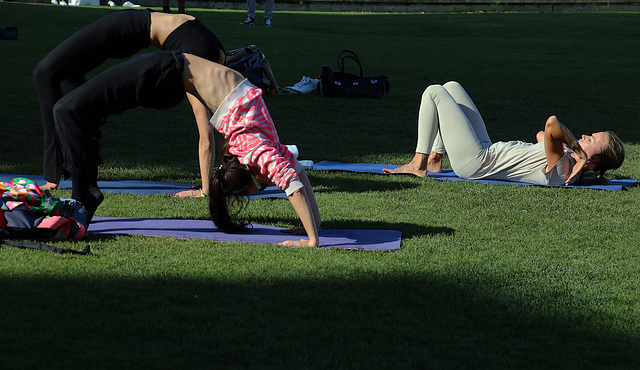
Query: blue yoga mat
[(261, 234), (141, 187), (448, 174), (157, 187)]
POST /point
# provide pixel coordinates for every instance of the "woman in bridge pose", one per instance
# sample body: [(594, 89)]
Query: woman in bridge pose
[(121, 34)]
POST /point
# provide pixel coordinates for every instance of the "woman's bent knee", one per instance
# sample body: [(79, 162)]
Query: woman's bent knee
[(431, 90), (42, 72), (452, 84), (61, 115)]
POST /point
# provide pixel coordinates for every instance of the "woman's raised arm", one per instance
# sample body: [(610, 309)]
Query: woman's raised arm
[(556, 135)]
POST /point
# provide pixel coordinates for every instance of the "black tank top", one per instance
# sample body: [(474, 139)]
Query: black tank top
[(194, 38)]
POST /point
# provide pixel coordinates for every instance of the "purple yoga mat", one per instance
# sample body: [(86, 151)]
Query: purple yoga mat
[(261, 234)]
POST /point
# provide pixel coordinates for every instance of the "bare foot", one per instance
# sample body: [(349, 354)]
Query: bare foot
[(49, 186), (434, 163), (419, 165), (409, 168)]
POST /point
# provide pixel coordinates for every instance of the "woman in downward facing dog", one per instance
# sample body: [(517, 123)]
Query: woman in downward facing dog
[(449, 120), (252, 155)]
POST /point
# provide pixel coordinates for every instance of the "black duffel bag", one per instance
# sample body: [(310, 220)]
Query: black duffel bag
[(338, 84)]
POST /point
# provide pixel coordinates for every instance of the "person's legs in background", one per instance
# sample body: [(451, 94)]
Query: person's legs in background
[(268, 11), (251, 13), (167, 9)]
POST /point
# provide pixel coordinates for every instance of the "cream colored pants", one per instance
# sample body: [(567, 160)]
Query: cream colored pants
[(449, 120)]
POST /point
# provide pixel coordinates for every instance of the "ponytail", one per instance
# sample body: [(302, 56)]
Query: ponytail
[(611, 158), (228, 184)]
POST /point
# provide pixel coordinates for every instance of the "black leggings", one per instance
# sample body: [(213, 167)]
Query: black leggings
[(118, 34), (152, 80)]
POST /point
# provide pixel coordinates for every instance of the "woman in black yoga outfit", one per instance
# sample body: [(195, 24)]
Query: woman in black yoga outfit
[(121, 34)]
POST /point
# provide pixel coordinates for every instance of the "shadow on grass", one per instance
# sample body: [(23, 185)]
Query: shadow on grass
[(408, 230), (247, 321), (350, 182)]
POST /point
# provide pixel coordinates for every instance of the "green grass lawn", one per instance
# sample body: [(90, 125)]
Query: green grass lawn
[(488, 276)]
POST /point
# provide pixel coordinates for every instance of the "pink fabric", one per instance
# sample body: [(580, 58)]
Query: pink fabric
[(253, 138), (58, 224), (62, 227)]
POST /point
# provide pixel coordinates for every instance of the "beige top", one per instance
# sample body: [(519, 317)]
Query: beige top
[(523, 162)]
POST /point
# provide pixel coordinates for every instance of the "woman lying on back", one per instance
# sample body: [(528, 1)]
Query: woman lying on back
[(449, 119)]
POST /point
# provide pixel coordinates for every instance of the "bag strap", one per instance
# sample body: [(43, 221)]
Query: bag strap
[(349, 55), (44, 247)]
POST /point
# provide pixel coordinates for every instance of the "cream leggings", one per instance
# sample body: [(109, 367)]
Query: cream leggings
[(448, 120)]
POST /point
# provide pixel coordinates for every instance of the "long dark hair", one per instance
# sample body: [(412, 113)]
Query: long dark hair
[(228, 184), (613, 155), (611, 158)]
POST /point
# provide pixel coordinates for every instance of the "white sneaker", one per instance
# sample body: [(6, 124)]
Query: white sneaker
[(249, 21), (111, 3), (63, 3), (307, 85), (267, 22), (130, 4), (54, 2)]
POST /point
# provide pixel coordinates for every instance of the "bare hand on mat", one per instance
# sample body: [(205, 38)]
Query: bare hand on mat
[(188, 194), (297, 243)]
